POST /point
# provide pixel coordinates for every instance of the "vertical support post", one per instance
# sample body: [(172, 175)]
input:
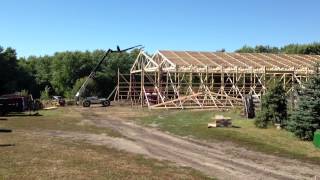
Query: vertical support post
[(235, 82), (251, 80), (159, 84), (212, 82), (142, 85), (175, 84), (167, 84), (254, 81), (130, 89), (222, 80), (178, 83), (134, 87), (264, 79), (292, 90), (190, 79), (118, 85), (284, 81), (201, 81), (206, 82), (244, 83)]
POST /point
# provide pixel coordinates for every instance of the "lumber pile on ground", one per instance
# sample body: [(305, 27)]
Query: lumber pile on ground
[(220, 121)]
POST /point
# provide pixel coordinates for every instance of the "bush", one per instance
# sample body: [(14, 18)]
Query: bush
[(262, 119), (44, 95), (273, 106), (305, 120)]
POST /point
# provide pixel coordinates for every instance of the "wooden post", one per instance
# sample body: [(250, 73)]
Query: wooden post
[(206, 82), (264, 79), (167, 84), (178, 84), (159, 83), (118, 85), (175, 84), (222, 80), (190, 79), (292, 91), (142, 85), (284, 81), (244, 83), (212, 82), (235, 82), (130, 89), (251, 80)]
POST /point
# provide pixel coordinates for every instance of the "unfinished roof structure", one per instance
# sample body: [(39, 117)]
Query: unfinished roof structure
[(191, 79)]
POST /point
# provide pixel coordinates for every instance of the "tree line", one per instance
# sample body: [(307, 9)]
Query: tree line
[(63, 72), (313, 48)]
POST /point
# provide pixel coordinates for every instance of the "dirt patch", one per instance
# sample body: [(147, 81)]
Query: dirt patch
[(98, 139), (221, 160), (85, 122)]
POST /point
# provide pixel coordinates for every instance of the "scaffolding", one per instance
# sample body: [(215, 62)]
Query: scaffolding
[(215, 80)]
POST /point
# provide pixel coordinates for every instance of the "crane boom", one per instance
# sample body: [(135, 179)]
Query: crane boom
[(94, 70)]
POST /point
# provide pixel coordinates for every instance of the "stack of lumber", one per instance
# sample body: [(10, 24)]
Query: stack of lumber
[(220, 121)]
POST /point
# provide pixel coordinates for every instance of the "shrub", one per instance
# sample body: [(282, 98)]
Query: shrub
[(305, 120), (262, 119), (44, 95), (273, 106)]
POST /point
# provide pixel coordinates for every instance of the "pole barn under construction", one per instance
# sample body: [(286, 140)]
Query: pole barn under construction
[(189, 79)]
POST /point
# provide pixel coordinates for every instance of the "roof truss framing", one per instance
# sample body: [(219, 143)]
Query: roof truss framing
[(186, 79)]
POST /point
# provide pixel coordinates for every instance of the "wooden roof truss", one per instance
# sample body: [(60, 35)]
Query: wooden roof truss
[(190, 79)]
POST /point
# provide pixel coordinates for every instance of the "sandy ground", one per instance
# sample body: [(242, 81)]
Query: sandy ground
[(220, 160)]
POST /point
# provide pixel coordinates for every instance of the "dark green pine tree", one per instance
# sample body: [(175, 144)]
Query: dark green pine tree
[(273, 106), (305, 120)]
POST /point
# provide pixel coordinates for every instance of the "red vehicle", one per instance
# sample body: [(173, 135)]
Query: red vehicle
[(14, 103)]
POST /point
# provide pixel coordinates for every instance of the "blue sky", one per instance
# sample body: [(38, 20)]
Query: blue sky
[(39, 27)]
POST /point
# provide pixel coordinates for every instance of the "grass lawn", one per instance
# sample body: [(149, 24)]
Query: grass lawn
[(41, 157), (63, 119), (272, 141)]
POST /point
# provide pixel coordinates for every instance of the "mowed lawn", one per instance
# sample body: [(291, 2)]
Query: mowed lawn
[(34, 156), (193, 123)]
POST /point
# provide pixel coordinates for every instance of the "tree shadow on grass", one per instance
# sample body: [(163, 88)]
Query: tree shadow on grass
[(7, 145), (5, 130), (23, 114), (233, 126)]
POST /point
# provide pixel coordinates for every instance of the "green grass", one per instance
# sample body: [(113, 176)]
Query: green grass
[(271, 140), (63, 119), (39, 158), (34, 156)]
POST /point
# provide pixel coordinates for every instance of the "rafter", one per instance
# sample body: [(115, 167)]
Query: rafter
[(193, 79)]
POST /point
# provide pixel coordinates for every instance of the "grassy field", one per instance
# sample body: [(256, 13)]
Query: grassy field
[(64, 119), (271, 140), (38, 157)]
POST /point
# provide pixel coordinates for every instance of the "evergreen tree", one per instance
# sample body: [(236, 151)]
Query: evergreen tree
[(305, 120), (273, 106)]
